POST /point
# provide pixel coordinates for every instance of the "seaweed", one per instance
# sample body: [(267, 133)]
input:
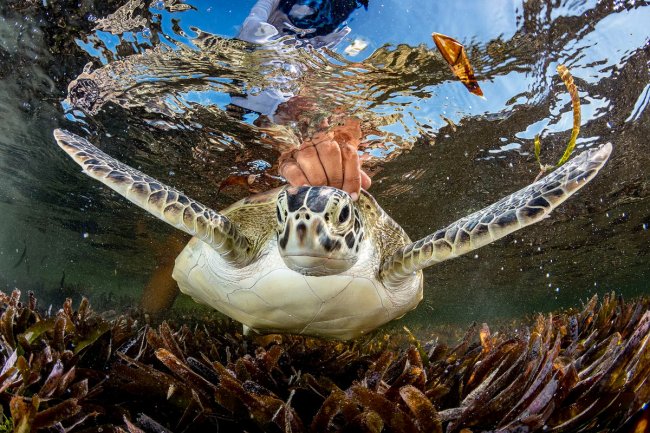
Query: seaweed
[(75, 371), (567, 78)]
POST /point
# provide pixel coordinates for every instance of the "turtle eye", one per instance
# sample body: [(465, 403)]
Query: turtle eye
[(345, 214)]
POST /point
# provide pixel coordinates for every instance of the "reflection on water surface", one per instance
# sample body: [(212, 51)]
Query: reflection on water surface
[(153, 84)]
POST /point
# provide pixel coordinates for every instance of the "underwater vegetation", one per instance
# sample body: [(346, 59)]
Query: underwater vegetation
[(74, 371)]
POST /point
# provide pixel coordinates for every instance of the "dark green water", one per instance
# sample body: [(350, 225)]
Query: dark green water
[(160, 105)]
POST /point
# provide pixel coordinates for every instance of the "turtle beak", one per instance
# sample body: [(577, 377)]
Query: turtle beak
[(306, 235), (306, 246)]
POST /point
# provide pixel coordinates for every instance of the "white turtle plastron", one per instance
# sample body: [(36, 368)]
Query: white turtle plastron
[(267, 295)]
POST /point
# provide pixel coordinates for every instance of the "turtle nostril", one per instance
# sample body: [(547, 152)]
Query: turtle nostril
[(307, 217)]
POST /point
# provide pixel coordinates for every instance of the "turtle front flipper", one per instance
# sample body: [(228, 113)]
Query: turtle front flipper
[(523, 208), (162, 201)]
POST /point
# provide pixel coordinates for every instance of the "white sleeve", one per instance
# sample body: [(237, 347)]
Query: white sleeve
[(256, 27)]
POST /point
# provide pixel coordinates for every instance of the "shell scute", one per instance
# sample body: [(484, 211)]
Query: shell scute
[(361, 297), (292, 292)]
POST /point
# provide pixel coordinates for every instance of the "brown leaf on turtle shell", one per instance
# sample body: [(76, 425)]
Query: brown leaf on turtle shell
[(455, 55)]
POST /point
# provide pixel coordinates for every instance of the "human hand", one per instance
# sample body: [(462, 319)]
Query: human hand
[(328, 158)]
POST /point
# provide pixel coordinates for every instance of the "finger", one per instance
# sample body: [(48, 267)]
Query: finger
[(329, 154), (292, 172), (365, 180), (321, 136), (351, 170), (311, 166)]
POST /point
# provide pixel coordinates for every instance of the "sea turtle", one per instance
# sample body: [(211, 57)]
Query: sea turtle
[(309, 260)]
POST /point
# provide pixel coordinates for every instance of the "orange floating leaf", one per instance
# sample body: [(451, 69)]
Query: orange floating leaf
[(454, 53)]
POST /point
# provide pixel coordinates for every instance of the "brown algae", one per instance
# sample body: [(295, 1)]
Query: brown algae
[(74, 371)]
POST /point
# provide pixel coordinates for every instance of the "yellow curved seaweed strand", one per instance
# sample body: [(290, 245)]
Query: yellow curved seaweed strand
[(538, 149), (575, 102)]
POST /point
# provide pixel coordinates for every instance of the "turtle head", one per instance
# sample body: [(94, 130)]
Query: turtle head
[(319, 230)]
